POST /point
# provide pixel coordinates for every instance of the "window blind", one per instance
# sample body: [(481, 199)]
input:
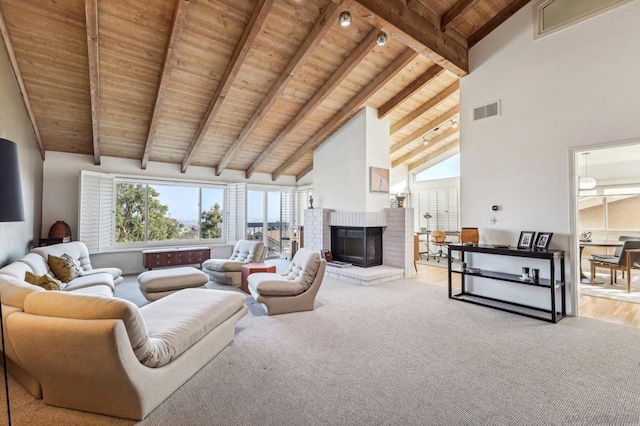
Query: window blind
[(236, 212), (96, 215), (302, 203)]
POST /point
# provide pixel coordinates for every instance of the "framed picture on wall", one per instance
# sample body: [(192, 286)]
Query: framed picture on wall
[(379, 180), (526, 239)]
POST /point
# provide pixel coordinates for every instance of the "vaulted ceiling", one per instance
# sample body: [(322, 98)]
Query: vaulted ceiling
[(252, 85)]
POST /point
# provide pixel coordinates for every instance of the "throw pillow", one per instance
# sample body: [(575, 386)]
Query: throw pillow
[(45, 281), (63, 267)]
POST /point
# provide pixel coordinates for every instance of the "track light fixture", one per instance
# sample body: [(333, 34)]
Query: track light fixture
[(381, 40), (345, 19)]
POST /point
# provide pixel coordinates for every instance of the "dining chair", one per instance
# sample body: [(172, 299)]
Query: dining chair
[(469, 235), (629, 259)]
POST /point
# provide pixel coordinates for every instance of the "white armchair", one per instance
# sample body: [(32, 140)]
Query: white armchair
[(229, 271), (293, 291)]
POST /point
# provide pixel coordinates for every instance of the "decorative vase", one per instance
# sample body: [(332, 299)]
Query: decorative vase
[(60, 229), (401, 199)]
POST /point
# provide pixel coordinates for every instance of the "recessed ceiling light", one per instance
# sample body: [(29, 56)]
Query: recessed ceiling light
[(454, 124), (345, 19)]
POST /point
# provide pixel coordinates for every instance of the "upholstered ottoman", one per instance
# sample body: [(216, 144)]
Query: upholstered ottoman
[(162, 282)]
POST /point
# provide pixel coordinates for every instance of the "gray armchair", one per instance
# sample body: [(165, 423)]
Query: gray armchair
[(629, 259), (229, 271)]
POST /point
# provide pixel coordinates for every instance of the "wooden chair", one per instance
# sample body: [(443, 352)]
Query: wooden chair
[(469, 235), (439, 239), (629, 259), (618, 251)]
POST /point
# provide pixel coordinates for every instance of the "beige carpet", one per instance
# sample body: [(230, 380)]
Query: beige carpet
[(400, 353)]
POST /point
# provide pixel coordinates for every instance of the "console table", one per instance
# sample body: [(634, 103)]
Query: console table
[(552, 284), (172, 256)]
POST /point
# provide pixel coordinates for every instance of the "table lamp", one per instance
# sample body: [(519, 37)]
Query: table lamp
[(11, 210)]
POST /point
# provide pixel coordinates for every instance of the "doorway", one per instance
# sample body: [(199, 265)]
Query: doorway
[(607, 210)]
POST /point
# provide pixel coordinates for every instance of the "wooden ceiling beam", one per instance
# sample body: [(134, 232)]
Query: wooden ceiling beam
[(412, 88), (430, 126), (20, 81), (459, 7), (496, 21), (453, 88), (351, 62), (349, 109), (402, 23), (91, 17), (448, 147), (441, 137), (320, 29), (304, 172), (179, 17), (249, 35)]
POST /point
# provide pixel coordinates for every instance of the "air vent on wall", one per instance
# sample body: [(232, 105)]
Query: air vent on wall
[(486, 111)]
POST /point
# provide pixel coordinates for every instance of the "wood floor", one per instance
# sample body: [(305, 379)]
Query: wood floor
[(592, 307)]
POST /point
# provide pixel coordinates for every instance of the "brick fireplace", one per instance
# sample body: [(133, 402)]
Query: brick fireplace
[(397, 241), (358, 245)]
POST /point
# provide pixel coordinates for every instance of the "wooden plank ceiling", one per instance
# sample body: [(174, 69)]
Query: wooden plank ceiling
[(252, 85)]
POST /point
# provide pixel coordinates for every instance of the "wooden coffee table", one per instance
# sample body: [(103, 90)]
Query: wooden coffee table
[(252, 268)]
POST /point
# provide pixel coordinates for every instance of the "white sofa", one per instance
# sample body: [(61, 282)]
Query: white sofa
[(84, 349)]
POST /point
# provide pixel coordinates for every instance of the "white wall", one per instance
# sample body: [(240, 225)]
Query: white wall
[(341, 164), (575, 88), (17, 238)]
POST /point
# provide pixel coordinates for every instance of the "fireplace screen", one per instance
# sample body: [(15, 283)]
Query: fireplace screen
[(356, 245)]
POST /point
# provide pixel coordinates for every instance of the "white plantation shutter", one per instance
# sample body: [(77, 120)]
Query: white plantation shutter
[(288, 208), (302, 203), (236, 212), (96, 215), (443, 205)]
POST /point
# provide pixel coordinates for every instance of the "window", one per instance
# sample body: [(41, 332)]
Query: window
[(554, 15), (159, 212), (609, 216), (130, 212), (445, 169)]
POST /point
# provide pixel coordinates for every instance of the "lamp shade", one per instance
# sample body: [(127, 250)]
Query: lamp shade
[(11, 209)]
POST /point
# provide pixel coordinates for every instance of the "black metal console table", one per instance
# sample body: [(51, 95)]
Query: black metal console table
[(552, 283)]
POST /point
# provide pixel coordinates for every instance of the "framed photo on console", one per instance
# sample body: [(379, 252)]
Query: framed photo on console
[(543, 240), (526, 239)]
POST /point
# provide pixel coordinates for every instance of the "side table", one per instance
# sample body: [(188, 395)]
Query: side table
[(252, 268)]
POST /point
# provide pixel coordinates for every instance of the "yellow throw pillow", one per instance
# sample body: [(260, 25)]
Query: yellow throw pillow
[(64, 268), (45, 281)]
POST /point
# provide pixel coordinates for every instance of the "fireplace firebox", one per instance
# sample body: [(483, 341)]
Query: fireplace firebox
[(360, 246)]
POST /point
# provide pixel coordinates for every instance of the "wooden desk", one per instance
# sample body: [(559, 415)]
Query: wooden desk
[(51, 241), (416, 242), (252, 268)]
